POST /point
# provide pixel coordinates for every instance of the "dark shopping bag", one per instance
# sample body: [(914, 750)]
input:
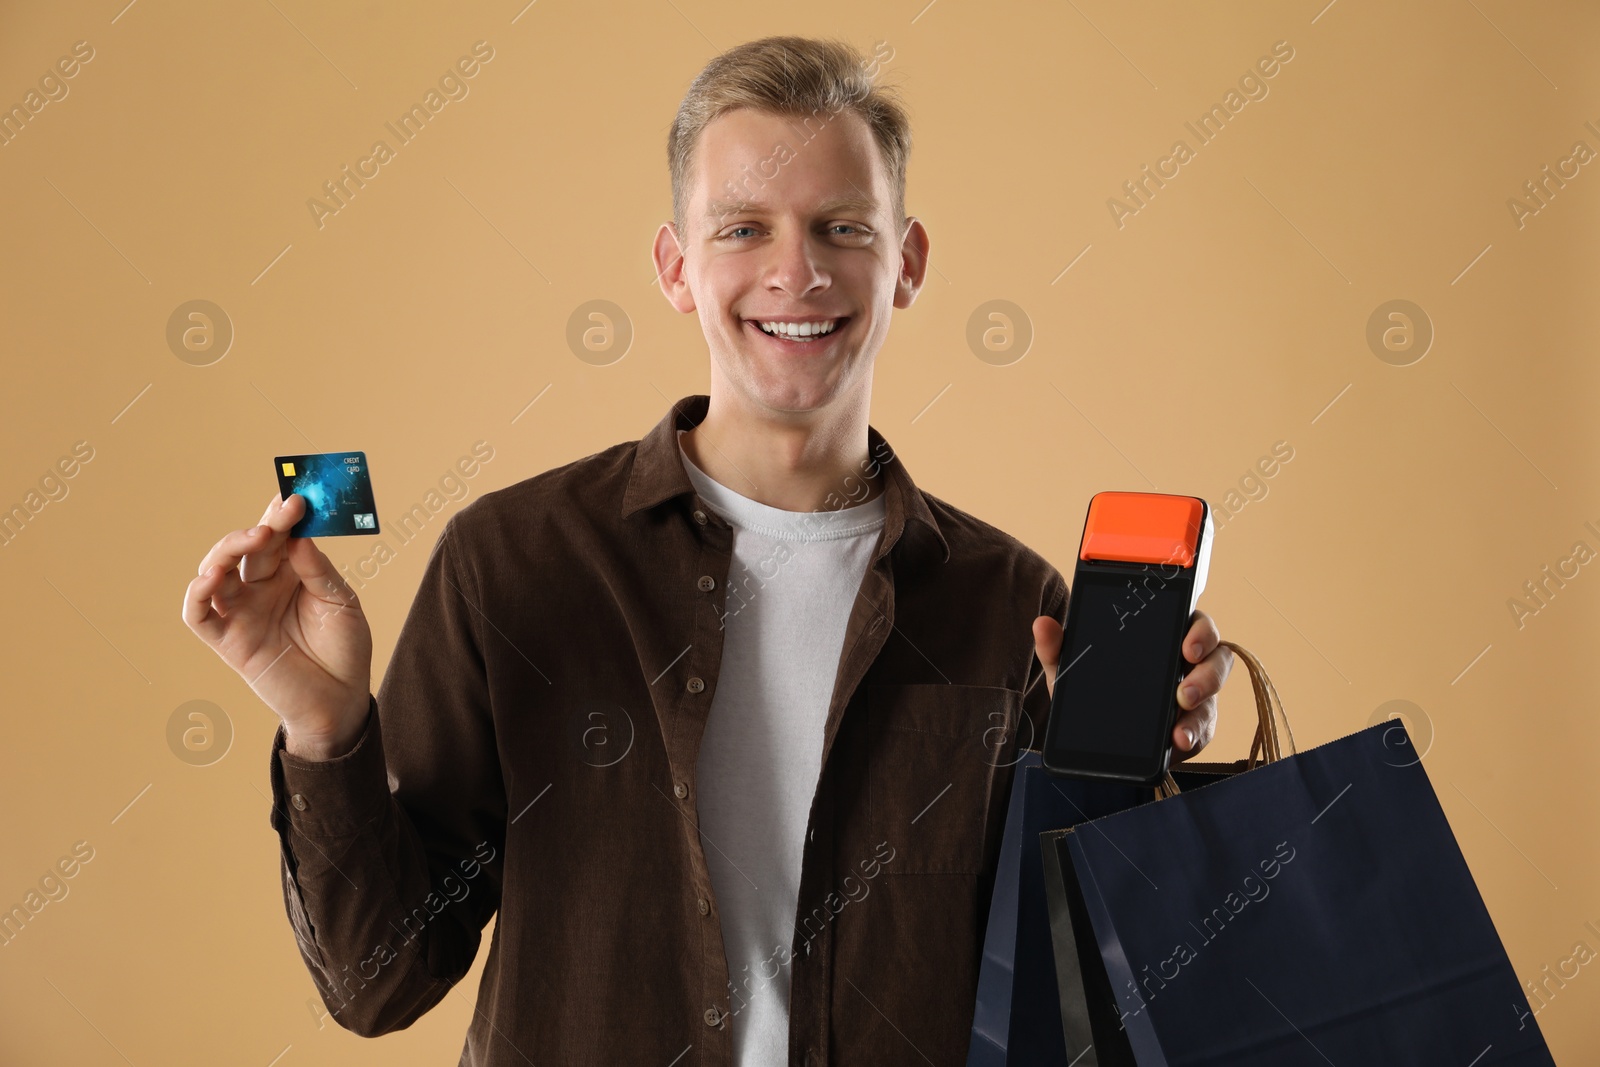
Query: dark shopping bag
[(1017, 1019), (1313, 910), (1018, 1016)]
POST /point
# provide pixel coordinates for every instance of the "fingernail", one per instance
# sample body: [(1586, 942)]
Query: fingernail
[(1189, 734), (1188, 696)]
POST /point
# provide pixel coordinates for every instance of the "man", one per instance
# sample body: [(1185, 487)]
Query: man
[(726, 814)]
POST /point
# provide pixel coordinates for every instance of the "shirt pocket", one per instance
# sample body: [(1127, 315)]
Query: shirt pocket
[(931, 768)]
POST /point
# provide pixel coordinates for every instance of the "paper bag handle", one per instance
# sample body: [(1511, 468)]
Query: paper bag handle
[(1266, 745)]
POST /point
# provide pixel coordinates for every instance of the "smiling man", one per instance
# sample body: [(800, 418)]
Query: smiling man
[(718, 724)]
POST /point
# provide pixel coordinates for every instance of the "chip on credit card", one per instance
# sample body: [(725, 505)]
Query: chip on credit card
[(337, 487)]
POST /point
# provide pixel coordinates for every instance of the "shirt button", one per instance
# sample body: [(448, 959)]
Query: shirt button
[(705, 906), (706, 583), (877, 624), (298, 801), (680, 790), (699, 516), (713, 1017), (696, 685)]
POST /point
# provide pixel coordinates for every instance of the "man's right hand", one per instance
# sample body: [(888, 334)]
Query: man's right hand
[(278, 612)]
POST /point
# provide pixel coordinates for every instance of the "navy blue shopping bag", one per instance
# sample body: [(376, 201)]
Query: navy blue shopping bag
[(1313, 910), (1017, 1019), (1031, 999)]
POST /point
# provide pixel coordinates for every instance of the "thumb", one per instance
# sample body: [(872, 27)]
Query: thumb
[(318, 574), (1047, 646)]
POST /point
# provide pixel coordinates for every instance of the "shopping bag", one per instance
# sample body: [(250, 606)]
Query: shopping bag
[(1091, 1022), (1018, 1015), (1312, 909), (1092, 1033), (1017, 1019)]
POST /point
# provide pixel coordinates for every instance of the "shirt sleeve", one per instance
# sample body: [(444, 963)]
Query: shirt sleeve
[(391, 852)]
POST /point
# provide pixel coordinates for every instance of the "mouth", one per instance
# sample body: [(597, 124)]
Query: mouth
[(794, 336)]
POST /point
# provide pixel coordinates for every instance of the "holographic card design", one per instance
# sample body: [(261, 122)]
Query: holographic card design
[(337, 487)]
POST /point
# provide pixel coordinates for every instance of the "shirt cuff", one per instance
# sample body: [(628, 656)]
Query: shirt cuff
[(334, 797)]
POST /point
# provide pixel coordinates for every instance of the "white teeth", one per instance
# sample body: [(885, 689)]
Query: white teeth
[(799, 329)]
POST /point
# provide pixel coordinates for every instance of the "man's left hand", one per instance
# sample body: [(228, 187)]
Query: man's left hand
[(1197, 692)]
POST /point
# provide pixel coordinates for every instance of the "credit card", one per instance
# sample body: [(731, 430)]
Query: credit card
[(337, 487)]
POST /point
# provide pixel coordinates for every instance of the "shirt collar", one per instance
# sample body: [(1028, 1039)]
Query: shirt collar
[(658, 475)]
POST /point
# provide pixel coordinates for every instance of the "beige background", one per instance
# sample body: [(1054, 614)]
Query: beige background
[(1228, 314)]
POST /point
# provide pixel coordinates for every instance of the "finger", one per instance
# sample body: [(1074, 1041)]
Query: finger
[(227, 590), (1047, 646), (1202, 638), (1194, 728), (1204, 679), (197, 613), (261, 562), (231, 548), (319, 576), (1197, 696)]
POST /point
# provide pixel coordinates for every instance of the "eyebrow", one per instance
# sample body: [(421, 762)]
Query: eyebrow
[(723, 208)]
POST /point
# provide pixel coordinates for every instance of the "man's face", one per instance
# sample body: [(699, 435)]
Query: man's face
[(784, 230)]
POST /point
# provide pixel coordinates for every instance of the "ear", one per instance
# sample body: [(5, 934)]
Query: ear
[(668, 255), (913, 263)]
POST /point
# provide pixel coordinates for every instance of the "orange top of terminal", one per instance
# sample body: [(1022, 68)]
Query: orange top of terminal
[(1143, 528)]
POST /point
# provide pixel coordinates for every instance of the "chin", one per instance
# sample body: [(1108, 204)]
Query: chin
[(788, 386), (793, 394)]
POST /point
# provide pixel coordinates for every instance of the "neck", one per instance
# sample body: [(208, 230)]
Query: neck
[(812, 461)]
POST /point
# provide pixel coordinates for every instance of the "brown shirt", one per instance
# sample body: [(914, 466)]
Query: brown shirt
[(531, 754)]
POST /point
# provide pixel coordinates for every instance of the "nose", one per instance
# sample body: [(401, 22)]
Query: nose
[(792, 263)]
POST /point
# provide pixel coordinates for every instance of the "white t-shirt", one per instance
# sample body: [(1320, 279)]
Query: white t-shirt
[(791, 586)]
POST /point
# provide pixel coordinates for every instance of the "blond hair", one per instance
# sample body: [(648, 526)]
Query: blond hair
[(793, 76)]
